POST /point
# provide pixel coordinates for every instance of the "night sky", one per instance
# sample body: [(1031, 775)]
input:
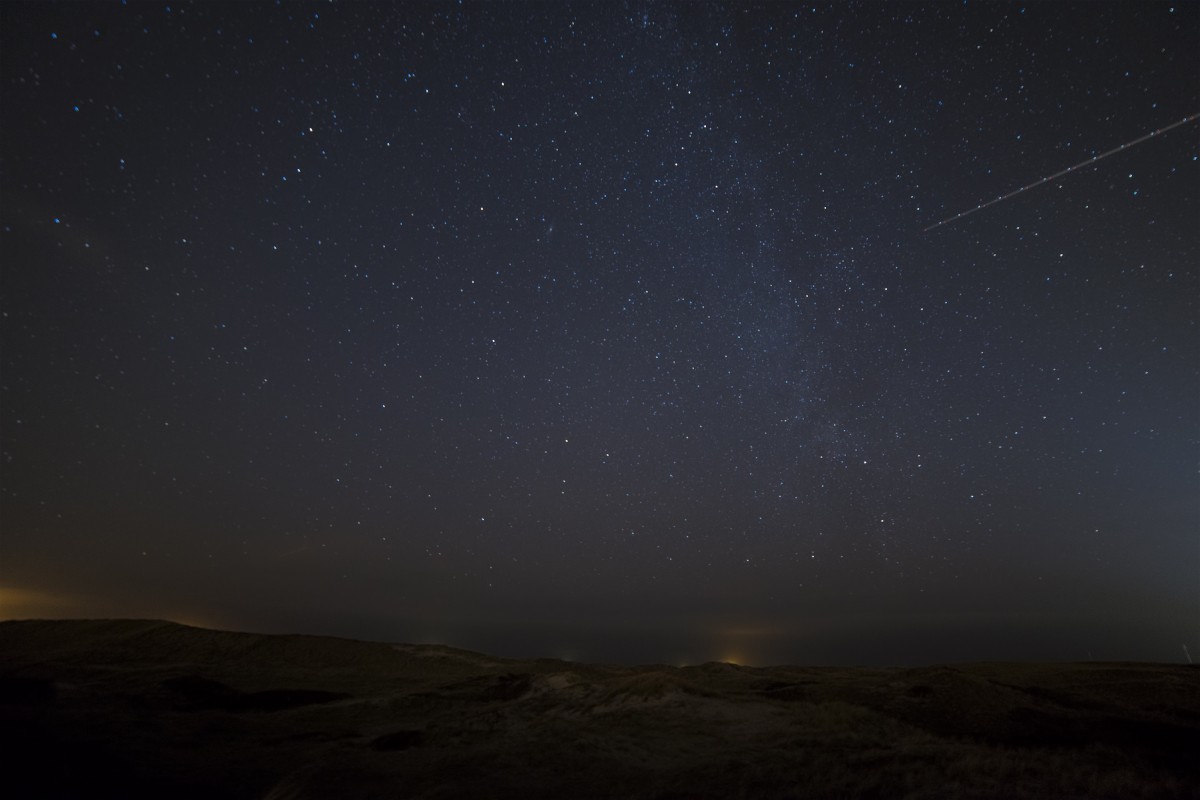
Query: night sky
[(607, 331)]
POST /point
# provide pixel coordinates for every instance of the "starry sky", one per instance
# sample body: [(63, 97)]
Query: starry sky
[(607, 331)]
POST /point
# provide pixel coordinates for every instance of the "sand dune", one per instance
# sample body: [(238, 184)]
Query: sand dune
[(141, 708)]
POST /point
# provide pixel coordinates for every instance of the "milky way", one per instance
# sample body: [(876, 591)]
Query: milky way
[(605, 330)]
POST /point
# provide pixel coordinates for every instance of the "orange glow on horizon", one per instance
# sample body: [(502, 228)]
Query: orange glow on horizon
[(18, 602), (21, 603)]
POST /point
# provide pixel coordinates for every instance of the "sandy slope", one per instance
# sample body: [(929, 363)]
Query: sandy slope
[(136, 708)]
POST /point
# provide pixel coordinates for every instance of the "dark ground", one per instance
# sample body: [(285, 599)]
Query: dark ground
[(154, 709)]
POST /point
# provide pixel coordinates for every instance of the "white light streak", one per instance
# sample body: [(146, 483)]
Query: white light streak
[(1091, 160)]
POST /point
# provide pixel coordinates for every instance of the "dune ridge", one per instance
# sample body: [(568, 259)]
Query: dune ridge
[(141, 708)]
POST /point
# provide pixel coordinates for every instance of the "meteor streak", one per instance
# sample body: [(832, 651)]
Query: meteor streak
[(1091, 160)]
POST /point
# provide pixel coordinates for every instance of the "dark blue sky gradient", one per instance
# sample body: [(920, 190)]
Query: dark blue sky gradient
[(606, 330)]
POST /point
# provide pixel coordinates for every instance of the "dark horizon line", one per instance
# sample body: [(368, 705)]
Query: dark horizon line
[(622, 664)]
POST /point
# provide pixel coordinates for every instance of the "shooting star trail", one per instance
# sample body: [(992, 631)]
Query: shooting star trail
[(1091, 160)]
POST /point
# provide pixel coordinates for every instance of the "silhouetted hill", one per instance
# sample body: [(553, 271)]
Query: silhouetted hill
[(145, 708)]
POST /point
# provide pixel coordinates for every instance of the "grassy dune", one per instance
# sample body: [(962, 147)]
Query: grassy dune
[(135, 708)]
